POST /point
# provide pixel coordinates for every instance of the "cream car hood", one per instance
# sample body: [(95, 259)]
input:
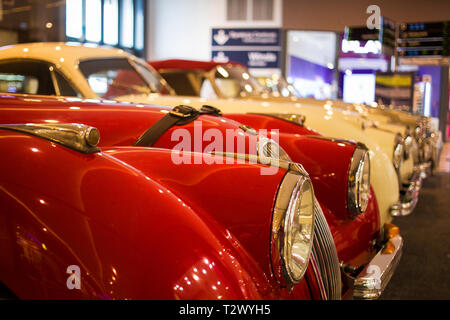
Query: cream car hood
[(373, 117)]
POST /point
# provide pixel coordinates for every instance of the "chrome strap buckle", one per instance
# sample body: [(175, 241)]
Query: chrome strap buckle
[(182, 111)]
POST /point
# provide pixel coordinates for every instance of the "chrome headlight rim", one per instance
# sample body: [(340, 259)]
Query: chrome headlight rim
[(295, 188), (359, 181), (407, 147), (418, 132), (398, 153)]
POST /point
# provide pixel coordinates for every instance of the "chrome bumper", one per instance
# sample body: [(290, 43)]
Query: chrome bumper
[(424, 169), (373, 279), (410, 194)]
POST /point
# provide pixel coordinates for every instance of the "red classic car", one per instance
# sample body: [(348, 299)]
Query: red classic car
[(68, 69), (209, 79), (128, 130)]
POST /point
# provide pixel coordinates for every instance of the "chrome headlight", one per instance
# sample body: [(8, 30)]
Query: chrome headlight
[(398, 152), (420, 131), (407, 146), (292, 227), (359, 181), (269, 148)]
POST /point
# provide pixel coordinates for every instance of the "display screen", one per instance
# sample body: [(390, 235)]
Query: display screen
[(359, 88)]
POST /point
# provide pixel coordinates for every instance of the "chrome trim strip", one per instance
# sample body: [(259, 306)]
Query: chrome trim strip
[(318, 276), (298, 119), (271, 149), (75, 136), (373, 279), (279, 163)]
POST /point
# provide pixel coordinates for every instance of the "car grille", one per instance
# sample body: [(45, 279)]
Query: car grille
[(325, 255)]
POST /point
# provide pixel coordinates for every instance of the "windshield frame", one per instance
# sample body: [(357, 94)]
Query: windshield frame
[(134, 65), (251, 81)]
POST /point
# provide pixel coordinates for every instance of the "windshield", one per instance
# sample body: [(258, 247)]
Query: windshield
[(235, 81), (112, 78), (185, 82), (279, 87)]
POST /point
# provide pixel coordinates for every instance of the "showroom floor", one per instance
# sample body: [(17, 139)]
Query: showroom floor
[(424, 271)]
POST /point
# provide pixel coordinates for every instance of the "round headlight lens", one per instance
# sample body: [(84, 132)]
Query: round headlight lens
[(359, 181), (292, 228), (299, 231)]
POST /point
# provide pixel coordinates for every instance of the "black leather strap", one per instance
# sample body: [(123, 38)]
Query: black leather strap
[(179, 115)]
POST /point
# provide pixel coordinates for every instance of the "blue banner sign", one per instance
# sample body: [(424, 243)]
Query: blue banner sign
[(254, 48), (251, 59), (245, 37)]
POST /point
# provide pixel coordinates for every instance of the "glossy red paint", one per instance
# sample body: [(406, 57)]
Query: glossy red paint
[(122, 124), (132, 235), (330, 177), (261, 121)]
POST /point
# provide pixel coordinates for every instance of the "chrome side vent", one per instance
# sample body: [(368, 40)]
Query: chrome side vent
[(75, 136), (325, 255), (271, 149)]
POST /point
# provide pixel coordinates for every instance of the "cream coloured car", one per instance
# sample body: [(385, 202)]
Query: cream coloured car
[(233, 82), (230, 80), (92, 73), (424, 139), (420, 133)]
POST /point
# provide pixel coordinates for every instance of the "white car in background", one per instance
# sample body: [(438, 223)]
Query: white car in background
[(420, 133), (88, 72), (420, 130)]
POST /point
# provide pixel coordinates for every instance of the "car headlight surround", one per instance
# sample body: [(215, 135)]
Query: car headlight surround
[(398, 154), (407, 146), (420, 130), (271, 149), (359, 181), (292, 227)]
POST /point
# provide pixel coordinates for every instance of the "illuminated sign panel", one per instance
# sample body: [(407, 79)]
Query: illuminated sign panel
[(254, 48)]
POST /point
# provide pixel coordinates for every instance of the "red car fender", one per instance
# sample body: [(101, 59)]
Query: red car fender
[(327, 163), (130, 236), (119, 124), (245, 213), (122, 124), (267, 122)]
